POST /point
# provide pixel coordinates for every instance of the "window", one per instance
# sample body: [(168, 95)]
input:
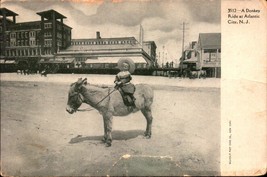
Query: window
[(12, 35), (59, 26), (144, 65), (106, 65), (210, 50), (47, 25), (48, 42), (32, 33)]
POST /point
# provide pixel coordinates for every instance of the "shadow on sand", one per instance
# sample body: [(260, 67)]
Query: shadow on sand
[(116, 135)]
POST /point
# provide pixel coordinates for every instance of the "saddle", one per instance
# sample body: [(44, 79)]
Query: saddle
[(127, 92)]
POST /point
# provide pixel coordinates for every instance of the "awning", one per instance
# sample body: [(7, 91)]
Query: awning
[(57, 60), (114, 60), (191, 60), (10, 62), (7, 61)]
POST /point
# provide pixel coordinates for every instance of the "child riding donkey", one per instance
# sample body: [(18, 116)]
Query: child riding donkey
[(124, 85)]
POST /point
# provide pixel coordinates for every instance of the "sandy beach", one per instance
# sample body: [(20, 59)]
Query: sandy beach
[(39, 138)]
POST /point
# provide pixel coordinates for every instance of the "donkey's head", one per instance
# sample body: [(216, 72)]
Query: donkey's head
[(75, 98)]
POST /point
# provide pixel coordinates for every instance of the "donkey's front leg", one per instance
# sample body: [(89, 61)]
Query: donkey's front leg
[(108, 119), (148, 115), (105, 130)]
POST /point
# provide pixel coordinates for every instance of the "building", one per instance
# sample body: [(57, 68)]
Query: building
[(7, 18), (47, 44), (150, 48), (190, 58), (101, 55), (205, 54), (26, 43), (209, 51)]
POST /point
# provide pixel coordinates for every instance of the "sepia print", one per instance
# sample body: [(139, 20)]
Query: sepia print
[(114, 88)]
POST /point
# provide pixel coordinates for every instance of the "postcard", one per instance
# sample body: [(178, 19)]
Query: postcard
[(133, 87)]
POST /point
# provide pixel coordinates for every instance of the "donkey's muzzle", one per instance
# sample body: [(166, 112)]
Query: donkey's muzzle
[(70, 110)]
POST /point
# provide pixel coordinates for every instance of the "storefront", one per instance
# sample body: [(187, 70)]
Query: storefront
[(8, 65), (53, 65)]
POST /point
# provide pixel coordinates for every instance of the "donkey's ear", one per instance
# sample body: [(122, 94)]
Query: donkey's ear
[(80, 80), (79, 83), (84, 81)]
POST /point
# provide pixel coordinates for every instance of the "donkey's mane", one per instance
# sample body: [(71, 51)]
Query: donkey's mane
[(95, 88)]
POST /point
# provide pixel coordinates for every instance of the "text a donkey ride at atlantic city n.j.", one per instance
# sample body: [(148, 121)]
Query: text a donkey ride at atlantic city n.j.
[(122, 100)]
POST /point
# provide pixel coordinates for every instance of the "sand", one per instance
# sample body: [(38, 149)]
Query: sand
[(39, 138)]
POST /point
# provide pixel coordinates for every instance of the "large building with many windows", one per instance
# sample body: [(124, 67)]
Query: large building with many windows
[(26, 43), (104, 53), (48, 43)]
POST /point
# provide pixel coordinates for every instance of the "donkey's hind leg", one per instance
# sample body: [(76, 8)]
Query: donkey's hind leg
[(148, 115), (105, 137)]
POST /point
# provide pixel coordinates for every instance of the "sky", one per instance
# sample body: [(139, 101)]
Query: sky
[(161, 19)]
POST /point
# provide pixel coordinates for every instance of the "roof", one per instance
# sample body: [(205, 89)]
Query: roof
[(25, 25), (109, 39), (86, 47), (104, 44), (150, 42), (210, 40), (48, 14), (7, 12), (114, 60)]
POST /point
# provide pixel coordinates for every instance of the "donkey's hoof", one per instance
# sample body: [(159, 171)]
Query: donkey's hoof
[(147, 135), (108, 144), (104, 140)]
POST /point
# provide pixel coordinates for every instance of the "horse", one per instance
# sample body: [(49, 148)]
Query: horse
[(193, 74), (198, 74), (110, 103), (203, 74), (44, 73)]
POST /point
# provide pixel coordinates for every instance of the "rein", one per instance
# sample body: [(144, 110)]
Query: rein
[(90, 109)]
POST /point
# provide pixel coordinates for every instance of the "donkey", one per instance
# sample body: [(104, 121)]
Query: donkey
[(113, 105)]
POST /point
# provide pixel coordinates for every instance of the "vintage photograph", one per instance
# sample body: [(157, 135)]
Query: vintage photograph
[(110, 87)]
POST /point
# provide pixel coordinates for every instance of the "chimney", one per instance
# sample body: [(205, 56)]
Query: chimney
[(98, 35)]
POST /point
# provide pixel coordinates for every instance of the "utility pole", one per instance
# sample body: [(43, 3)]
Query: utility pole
[(163, 57), (159, 60), (141, 35), (181, 68)]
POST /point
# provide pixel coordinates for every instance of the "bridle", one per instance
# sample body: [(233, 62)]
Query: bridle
[(80, 96)]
